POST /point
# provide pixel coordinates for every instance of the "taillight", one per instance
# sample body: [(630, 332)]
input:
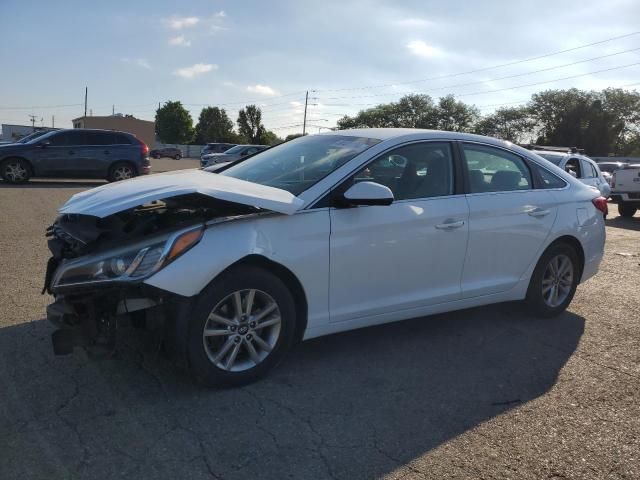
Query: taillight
[(601, 204), (144, 150)]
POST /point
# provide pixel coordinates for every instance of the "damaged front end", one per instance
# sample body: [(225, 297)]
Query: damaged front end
[(98, 267)]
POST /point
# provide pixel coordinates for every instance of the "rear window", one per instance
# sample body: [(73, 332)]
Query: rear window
[(549, 180), (555, 159)]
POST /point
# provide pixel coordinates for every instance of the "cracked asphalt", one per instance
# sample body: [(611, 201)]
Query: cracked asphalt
[(487, 393)]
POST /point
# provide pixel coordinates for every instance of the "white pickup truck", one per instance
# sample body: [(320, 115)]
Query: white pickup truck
[(625, 190)]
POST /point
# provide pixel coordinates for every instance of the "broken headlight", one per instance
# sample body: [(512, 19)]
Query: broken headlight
[(127, 264)]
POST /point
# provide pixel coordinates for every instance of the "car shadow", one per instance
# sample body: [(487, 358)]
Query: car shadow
[(63, 183), (632, 223), (355, 405)]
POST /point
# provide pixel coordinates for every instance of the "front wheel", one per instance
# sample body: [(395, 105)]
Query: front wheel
[(15, 170), (178, 156), (626, 210), (243, 325), (554, 281)]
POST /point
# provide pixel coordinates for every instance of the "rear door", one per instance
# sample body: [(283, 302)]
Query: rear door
[(509, 220), (98, 153)]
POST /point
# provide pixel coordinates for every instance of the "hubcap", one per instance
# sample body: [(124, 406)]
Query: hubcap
[(557, 280), (15, 172), (122, 173), (242, 330)]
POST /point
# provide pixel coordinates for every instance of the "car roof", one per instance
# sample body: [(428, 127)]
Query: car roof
[(98, 130)]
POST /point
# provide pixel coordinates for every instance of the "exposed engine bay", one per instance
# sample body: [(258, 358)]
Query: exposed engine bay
[(90, 313)]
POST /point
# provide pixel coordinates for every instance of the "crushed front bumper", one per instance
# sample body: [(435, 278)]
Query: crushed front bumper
[(95, 319)]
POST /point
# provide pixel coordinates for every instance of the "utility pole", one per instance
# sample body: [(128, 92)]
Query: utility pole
[(304, 123), (86, 91), (53, 121), (33, 122), (113, 110)]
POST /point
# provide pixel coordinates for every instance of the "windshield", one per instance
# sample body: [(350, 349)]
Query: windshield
[(555, 159), (32, 136), (297, 165), (236, 149)]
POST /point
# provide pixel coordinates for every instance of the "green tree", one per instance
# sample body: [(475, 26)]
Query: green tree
[(292, 136), (214, 125), (509, 123), (250, 124), (270, 138), (452, 115), (411, 111), (173, 123)]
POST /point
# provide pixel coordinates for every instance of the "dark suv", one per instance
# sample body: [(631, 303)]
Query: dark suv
[(75, 153), (168, 152), (216, 148)]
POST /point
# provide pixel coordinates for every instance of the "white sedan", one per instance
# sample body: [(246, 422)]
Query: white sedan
[(319, 235)]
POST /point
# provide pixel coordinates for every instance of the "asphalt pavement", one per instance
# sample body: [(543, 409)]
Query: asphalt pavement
[(487, 393)]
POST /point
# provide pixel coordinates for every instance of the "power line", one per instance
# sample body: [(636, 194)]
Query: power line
[(484, 69), (550, 81), (447, 87)]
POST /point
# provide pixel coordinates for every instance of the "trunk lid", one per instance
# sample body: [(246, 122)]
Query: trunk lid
[(116, 197)]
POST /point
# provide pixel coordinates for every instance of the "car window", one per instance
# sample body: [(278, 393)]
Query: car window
[(549, 180), (61, 139), (250, 151), (573, 166), (495, 170), (594, 170), (555, 159), (589, 171), (98, 138), (420, 170)]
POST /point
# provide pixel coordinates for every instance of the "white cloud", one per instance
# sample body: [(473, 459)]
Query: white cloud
[(179, 41), (421, 49), (262, 90), (295, 104), (413, 22), (195, 70), (178, 23), (140, 62), (227, 83), (220, 14)]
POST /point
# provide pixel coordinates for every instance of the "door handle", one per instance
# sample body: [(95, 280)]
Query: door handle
[(539, 212), (450, 225)]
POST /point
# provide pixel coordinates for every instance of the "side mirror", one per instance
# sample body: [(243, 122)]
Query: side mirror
[(368, 193)]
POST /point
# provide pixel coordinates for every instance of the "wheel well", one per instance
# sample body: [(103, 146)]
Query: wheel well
[(290, 280), (13, 157), (575, 244), (120, 162)]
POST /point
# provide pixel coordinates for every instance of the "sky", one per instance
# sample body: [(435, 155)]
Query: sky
[(349, 55)]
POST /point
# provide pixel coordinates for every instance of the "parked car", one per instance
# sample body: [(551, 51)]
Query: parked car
[(75, 153), (319, 235), (167, 152), (216, 148), (231, 155), (625, 190), (580, 166)]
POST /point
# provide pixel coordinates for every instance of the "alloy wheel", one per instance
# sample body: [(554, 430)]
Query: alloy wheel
[(242, 330), (557, 280), (122, 173), (15, 172)]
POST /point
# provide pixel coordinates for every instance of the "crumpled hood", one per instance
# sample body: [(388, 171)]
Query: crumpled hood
[(116, 197)]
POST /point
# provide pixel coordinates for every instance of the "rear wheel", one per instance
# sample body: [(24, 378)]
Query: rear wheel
[(243, 325), (15, 170), (177, 156), (627, 210), (121, 171), (554, 281)]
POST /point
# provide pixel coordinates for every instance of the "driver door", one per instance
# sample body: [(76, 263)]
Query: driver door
[(390, 262)]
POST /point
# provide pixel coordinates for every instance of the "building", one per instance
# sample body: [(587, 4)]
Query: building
[(142, 129), (13, 133)]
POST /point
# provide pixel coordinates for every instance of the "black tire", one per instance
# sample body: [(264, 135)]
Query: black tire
[(116, 171), (177, 157), (241, 278), (157, 157), (535, 301), (15, 171), (626, 210)]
